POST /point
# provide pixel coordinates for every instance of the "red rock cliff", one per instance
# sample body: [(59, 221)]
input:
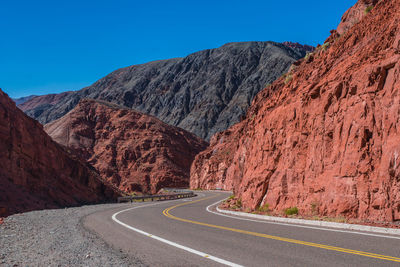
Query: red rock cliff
[(37, 173), (326, 137), (135, 152)]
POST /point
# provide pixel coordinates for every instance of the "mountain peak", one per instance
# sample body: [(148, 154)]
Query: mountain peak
[(204, 93)]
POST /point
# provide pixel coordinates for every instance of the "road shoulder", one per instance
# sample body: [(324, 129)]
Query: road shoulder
[(334, 225)]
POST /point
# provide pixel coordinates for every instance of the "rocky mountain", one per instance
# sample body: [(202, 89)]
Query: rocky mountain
[(300, 47), (21, 100), (36, 172), (204, 93), (36, 105), (134, 151), (325, 138)]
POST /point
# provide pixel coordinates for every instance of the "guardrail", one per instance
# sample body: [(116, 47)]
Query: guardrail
[(176, 190), (156, 197)]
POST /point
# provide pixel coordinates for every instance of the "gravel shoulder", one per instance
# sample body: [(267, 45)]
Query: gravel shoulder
[(57, 238)]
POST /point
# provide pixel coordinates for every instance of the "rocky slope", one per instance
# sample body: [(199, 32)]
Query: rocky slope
[(136, 152), (36, 105), (37, 173), (325, 138), (203, 93), (300, 47), (21, 100), (355, 14)]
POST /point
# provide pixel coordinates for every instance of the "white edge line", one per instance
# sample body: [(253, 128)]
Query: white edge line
[(287, 224), (199, 253)]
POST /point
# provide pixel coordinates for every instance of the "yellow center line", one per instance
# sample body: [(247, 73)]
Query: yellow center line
[(289, 240)]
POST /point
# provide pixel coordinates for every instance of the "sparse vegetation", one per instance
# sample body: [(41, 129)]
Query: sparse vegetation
[(289, 75), (368, 9), (339, 219), (239, 202), (308, 55), (233, 202), (292, 211), (292, 68), (314, 208), (325, 46), (318, 50), (288, 78), (236, 204), (264, 208)]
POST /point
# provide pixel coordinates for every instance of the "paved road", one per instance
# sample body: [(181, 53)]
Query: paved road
[(185, 233)]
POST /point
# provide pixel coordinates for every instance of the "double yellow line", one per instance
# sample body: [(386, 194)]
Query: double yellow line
[(289, 240)]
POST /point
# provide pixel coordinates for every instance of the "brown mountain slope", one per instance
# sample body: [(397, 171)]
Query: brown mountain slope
[(136, 152), (38, 104), (325, 138), (37, 173)]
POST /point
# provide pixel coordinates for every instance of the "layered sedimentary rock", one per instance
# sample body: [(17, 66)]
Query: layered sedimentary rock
[(36, 172), (326, 137), (134, 151), (203, 93)]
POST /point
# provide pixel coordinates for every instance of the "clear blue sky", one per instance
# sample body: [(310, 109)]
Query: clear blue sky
[(54, 46)]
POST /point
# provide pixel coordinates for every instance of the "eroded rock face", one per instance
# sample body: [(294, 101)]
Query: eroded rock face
[(203, 93), (37, 173), (355, 14), (326, 138), (136, 152)]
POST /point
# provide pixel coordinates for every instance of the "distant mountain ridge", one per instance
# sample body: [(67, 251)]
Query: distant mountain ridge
[(204, 93), (21, 100), (307, 48), (36, 105)]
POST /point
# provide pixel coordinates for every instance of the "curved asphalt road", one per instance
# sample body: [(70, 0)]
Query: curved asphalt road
[(181, 230)]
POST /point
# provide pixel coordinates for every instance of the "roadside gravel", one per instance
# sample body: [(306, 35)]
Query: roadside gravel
[(57, 238)]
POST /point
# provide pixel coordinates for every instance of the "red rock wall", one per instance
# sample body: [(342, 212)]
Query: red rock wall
[(134, 151), (326, 138), (37, 173)]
